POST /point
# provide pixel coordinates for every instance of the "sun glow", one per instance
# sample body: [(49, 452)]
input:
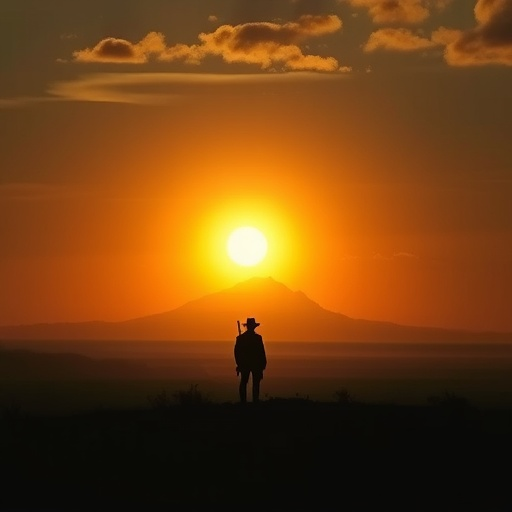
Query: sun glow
[(247, 246)]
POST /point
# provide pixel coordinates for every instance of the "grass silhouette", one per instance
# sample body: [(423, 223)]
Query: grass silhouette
[(191, 397)]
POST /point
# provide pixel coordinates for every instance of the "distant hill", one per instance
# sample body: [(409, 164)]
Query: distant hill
[(28, 366), (25, 365), (284, 315)]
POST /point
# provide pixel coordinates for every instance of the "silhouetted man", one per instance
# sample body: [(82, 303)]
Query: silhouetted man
[(250, 358)]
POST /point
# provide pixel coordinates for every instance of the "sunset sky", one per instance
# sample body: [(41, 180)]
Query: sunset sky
[(369, 140)]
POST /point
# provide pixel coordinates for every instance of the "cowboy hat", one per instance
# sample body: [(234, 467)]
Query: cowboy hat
[(251, 322)]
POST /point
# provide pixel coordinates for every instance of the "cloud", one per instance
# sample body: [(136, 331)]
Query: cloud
[(157, 89), (407, 255), (399, 39), (162, 88), (264, 44), (129, 88), (486, 10), (121, 51), (490, 42), (267, 44), (22, 101), (395, 256), (399, 11)]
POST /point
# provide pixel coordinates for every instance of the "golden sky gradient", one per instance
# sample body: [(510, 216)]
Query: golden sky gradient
[(370, 141)]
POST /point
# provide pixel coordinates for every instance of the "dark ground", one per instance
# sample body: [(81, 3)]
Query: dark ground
[(281, 454)]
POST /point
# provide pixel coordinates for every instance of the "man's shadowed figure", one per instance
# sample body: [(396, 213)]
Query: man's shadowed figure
[(250, 358)]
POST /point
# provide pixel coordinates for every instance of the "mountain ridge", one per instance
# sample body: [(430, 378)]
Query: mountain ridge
[(285, 315)]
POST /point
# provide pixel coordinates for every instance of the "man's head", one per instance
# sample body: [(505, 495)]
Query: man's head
[(251, 324)]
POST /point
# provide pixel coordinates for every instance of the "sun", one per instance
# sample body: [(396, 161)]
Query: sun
[(247, 246)]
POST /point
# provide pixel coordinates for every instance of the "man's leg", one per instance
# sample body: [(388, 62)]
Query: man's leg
[(242, 389), (256, 378)]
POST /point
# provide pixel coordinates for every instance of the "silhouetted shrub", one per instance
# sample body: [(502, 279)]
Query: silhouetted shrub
[(343, 396), (191, 397), (161, 401)]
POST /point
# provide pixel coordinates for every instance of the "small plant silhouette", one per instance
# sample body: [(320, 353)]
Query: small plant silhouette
[(161, 401), (343, 396), (191, 397)]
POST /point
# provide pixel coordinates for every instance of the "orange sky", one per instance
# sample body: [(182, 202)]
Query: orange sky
[(370, 146)]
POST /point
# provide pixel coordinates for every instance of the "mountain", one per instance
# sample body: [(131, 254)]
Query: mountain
[(284, 315)]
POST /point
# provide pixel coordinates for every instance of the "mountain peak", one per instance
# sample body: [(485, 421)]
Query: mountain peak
[(284, 315), (260, 284)]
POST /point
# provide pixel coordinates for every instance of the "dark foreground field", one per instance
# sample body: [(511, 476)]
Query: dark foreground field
[(281, 454)]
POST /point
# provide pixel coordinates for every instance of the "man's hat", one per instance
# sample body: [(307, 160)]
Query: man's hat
[(251, 322)]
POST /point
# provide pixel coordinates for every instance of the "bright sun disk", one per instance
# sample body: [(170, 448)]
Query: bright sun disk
[(247, 246)]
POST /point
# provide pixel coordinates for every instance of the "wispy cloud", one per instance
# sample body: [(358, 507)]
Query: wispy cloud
[(158, 89), (131, 88), (162, 88), (67, 36), (402, 255), (22, 101), (265, 44), (395, 256)]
